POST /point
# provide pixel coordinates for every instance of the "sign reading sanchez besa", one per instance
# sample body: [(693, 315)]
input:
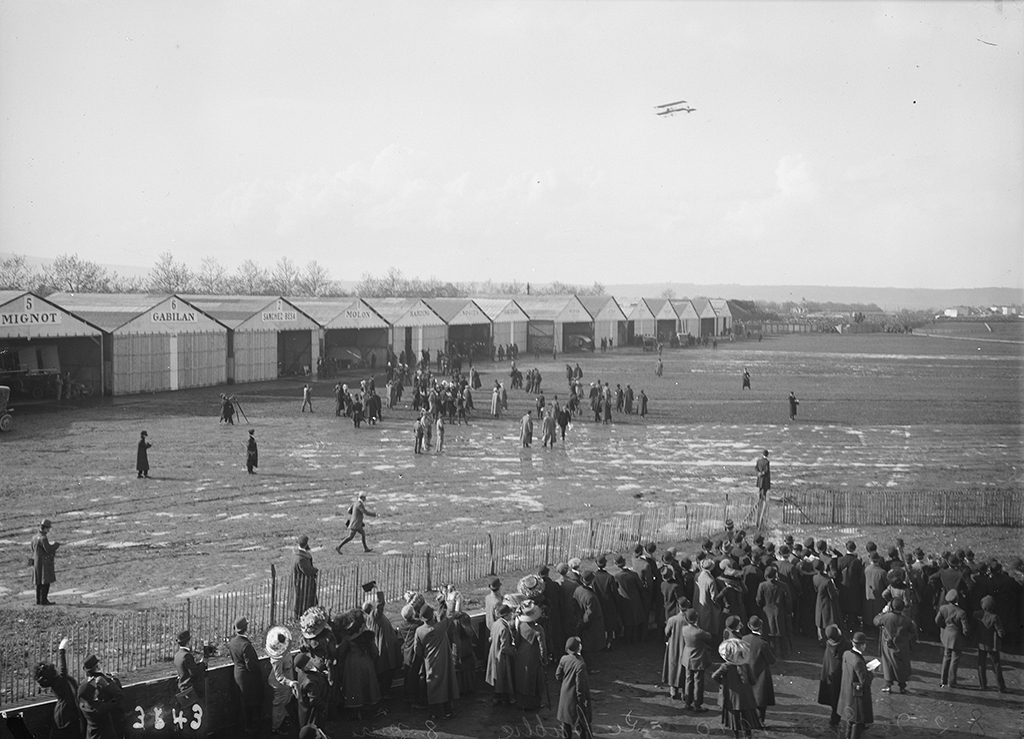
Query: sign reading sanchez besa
[(174, 314), (280, 314)]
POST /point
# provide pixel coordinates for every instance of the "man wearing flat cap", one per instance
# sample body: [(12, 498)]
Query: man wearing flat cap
[(190, 670), (304, 576), (247, 676), (43, 553), (952, 620)]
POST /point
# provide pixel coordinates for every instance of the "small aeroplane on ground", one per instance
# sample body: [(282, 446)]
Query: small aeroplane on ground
[(670, 108)]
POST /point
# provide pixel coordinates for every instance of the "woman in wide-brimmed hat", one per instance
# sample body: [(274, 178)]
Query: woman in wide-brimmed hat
[(282, 674), (531, 656), (739, 705), (319, 642)]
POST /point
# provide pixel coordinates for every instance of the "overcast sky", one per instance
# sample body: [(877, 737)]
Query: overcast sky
[(859, 143)]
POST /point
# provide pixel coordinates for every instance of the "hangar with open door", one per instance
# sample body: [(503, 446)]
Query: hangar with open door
[(556, 321), (354, 334), (38, 340), (469, 328), (707, 316), (689, 321), (642, 321), (723, 316), (609, 320), (152, 342), (508, 321), (268, 336), (415, 327), (666, 322)]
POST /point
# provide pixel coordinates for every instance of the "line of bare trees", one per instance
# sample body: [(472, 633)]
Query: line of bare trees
[(71, 273)]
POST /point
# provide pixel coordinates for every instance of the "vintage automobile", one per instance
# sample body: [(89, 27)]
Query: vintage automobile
[(6, 419), (579, 343)]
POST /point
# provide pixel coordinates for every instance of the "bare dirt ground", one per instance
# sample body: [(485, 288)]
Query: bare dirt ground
[(877, 411)]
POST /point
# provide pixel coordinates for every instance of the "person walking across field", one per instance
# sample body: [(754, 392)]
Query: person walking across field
[(356, 525), (746, 379), (42, 563), (793, 403), (307, 398), (142, 456)]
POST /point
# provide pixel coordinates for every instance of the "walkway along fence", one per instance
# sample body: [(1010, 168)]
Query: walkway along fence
[(892, 508), (143, 643)]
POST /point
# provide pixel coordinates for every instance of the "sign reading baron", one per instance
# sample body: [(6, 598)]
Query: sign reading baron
[(173, 315), (30, 316)]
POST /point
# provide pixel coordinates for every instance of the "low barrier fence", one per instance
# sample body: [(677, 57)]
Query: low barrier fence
[(887, 507), (143, 643)]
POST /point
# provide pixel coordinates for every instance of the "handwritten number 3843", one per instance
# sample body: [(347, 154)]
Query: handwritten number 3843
[(178, 718)]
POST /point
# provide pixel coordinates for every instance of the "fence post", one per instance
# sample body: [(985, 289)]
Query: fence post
[(547, 546), (429, 583), (273, 595), (188, 613), (490, 550)]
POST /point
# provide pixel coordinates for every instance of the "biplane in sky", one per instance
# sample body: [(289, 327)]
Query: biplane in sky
[(678, 106)]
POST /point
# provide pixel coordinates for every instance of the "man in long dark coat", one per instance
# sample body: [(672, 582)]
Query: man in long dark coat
[(830, 682), (252, 453), (673, 669), (434, 646), (631, 601), (43, 571), (304, 577), (896, 632), (570, 608), (761, 661), (552, 612), (855, 689), (499, 674), (775, 600), (608, 593), (574, 709), (67, 720), (592, 632), (247, 676), (142, 456), (851, 586)]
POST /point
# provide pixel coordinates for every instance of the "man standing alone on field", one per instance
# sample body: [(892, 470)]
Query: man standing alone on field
[(793, 403), (307, 398), (357, 511), (42, 563), (142, 456)]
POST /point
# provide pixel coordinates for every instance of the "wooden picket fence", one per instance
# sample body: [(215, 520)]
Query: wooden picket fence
[(141, 644), (906, 508)]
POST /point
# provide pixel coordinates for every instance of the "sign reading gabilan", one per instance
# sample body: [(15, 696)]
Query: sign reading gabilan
[(174, 315), (30, 315)]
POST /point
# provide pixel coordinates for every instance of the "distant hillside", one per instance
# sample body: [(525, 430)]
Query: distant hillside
[(887, 298)]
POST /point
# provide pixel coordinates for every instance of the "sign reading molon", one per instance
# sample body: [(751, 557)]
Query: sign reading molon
[(29, 316), (174, 315)]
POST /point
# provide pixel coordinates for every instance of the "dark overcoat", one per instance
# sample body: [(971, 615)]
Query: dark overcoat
[(761, 661), (855, 703), (574, 695)]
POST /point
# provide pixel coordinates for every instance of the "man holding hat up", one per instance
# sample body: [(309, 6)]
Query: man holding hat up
[(574, 709), (42, 563), (247, 676), (952, 619)]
